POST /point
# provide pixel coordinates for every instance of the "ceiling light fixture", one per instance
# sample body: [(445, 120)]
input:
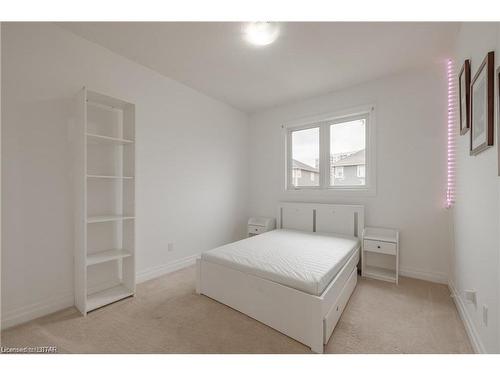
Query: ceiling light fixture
[(261, 33)]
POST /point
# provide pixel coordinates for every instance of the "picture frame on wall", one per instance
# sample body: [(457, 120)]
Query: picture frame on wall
[(498, 116), (482, 110), (464, 97)]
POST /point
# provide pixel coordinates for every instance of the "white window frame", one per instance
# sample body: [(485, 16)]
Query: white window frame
[(323, 122)]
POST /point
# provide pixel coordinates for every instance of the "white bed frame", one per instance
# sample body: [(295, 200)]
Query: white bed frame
[(306, 318)]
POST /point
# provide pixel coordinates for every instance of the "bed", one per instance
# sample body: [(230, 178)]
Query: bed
[(296, 279)]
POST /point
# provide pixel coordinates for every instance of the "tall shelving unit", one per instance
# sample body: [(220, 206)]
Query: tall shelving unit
[(104, 143)]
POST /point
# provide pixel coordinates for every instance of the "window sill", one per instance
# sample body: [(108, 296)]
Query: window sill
[(314, 192)]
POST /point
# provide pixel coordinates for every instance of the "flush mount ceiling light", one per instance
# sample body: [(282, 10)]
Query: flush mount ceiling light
[(261, 33)]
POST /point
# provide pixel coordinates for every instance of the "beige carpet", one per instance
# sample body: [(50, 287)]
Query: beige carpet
[(167, 316)]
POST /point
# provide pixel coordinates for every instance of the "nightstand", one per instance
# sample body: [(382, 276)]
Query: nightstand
[(259, 225), (380, 255)]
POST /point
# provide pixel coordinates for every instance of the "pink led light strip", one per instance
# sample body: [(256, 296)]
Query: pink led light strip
[(452, 100)]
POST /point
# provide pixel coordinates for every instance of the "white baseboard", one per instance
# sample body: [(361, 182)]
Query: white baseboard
[(163, 269), (39, 309), (474, 338), (36, 310), (435, 277)]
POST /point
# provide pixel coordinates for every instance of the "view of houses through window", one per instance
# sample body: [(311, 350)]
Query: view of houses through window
[(347, 159), (305, 157), (347, 153)]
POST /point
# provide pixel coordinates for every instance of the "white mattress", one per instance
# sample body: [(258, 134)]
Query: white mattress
[(304, 261)]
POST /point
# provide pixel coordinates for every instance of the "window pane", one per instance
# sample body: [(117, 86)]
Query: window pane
[(305, 157), (347, 153)]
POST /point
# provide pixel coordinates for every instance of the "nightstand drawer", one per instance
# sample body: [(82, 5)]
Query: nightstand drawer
[(256, 229), (379, 247)]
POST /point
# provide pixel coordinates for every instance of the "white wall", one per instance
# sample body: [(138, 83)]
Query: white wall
[(475, 264), (191, 164), (0, 181), (411, 163)]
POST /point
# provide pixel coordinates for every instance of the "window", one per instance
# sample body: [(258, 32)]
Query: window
[(333, 153), (305, 156), (347, 150)]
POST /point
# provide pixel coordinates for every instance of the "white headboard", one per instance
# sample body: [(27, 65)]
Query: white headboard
[(322, 217)]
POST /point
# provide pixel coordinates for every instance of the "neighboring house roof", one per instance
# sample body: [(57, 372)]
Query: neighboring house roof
[(358, 158), (305, 167)]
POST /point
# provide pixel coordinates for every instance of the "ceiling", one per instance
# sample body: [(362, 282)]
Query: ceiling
[(307, 59)]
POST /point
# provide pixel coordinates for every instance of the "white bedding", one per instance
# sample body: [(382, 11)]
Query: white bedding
[(304, 261)]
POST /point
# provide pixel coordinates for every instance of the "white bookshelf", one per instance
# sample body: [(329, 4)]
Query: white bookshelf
[(104, 136)]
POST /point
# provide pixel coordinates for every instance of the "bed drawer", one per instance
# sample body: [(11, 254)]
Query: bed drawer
[(256, 229), (379, 247), (333, 316)]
